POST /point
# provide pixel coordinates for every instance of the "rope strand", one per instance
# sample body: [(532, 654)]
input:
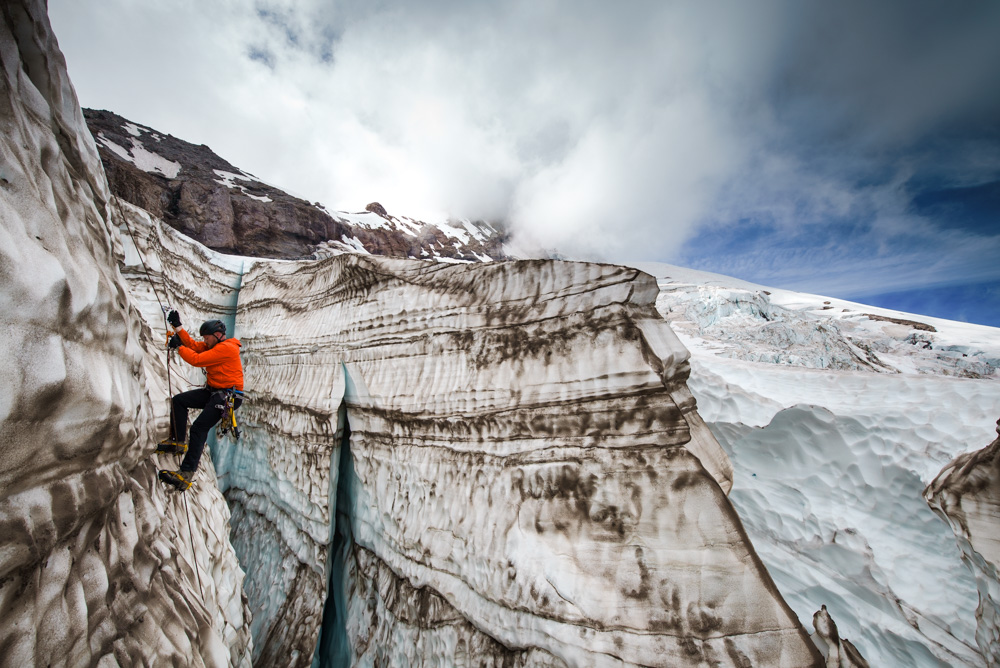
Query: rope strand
[(194, 555), (149, 277), (163, 310), (152, 285)]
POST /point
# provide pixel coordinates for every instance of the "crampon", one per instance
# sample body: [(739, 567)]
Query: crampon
[(176, 479)]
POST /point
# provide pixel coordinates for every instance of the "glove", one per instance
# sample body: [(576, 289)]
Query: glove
[(174, 319), (174, 342)]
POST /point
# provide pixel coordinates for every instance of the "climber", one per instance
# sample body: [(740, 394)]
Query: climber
[(220, 357)]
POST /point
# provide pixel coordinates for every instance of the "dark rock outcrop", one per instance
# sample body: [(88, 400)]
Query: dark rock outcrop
[(210, 200), (923, 326), (375, 207)]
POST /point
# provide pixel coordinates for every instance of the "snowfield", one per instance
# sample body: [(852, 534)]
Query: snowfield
[(835, 423)]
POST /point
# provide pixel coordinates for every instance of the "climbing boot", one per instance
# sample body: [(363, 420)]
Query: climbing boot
[(176, 479), (169, 447)]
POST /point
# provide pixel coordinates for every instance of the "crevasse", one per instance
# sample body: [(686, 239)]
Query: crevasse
[(520, 439), (332, 649)]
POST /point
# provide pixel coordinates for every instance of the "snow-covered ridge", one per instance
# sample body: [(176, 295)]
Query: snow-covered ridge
[(229, 179), (731, 318), (231, 210), (461, 230), (439, 235)]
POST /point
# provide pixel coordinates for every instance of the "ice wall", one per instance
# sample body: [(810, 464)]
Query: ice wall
[(967, 494), (527, 472), (526, 478), (97, 564)]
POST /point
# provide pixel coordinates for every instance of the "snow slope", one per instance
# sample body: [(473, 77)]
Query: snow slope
[(835, 423)]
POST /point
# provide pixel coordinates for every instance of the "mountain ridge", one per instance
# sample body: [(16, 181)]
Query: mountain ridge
[(227, 209)]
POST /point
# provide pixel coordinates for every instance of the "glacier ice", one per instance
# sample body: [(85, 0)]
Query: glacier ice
[(99, 566), (460, 465), (832, 446), (523, 452)]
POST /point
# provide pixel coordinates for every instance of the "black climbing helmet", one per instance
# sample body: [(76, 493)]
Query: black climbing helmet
[(211, 327)]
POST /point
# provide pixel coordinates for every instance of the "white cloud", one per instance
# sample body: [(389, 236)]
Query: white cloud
[(614, 131)]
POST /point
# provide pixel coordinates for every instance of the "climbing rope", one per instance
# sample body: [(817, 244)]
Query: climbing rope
[(163, 309), (194, 554), (149, 277)]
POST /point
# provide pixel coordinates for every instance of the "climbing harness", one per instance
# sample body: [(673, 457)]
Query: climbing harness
[(227, 425)]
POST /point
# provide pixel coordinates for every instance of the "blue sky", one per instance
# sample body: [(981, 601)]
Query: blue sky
[(849, 148)]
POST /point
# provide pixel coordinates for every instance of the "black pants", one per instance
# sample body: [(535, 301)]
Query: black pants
[(211, 402)]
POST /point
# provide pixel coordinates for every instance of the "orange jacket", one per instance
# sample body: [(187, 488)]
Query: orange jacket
[(222, 361)]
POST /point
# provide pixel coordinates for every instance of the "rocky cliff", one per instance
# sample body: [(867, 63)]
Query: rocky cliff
[(226, 209)]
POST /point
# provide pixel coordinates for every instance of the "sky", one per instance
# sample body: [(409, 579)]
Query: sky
[(848, 148)]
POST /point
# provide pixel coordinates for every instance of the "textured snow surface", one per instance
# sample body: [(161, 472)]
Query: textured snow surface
[(98, 565), (734, 319), (835, 423)]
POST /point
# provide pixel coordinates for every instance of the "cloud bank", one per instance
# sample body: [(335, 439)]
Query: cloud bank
[(808, 144)]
